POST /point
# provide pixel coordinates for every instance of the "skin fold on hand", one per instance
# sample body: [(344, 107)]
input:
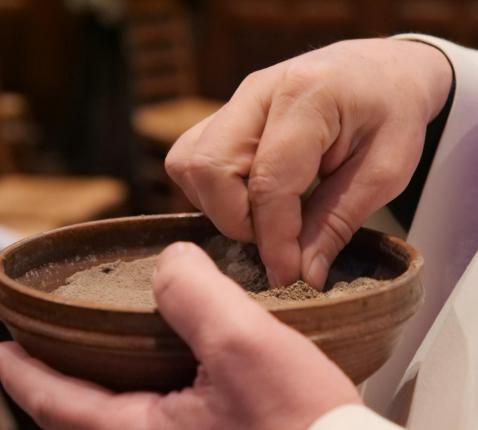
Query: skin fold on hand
[(353, 113), (254, 373)]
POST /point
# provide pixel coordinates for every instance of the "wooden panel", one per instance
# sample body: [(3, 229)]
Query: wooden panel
[(151, 8), (12, 5), (425, 11), (246, 36), (437, 17), (157, 86), (157, 35), (158, 60), (274, 12), (160, 49), (163, 123)]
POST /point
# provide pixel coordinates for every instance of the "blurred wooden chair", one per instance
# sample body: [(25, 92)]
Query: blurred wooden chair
[(161, 53), (15, 131), (252, 34), (35, 203), (32, 203), (12, 5), (160, 47)]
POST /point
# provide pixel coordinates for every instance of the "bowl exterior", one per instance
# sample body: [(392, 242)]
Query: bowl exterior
[(136, 350), (359, 335), (120, 369)]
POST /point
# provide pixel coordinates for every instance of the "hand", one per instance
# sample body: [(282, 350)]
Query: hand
[(353, 113), (254, 373)]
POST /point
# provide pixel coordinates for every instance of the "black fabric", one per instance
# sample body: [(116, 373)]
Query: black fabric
[(97, 137), (405, 205)]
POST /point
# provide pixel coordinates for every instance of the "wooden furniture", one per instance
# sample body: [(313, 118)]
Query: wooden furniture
[(33, 203), (444, 18), (164, 84), (9, 5), (243, 36), (15, 131), (164, 122), (165, 92), (247, 35)]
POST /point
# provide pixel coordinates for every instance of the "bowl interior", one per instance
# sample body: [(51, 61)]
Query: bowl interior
[(133, 348), (43, 263)]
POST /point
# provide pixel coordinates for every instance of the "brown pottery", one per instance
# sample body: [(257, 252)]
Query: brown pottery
[(129, 348)]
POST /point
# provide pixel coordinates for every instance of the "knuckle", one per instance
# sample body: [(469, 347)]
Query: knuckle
[(237, 231), (175, 166), (252, 80), (342, 228), (298, 76), (200, 164), (260, 187), (338, 229), (206, 166), (235, 226), (177, 159), (378, 174), (388, 175)]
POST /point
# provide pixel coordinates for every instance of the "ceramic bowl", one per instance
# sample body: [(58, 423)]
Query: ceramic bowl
[(128, 348)]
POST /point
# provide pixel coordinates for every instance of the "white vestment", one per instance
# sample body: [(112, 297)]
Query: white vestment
[(431, 382)]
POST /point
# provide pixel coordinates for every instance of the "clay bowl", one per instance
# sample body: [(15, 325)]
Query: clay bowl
[(133, 348)]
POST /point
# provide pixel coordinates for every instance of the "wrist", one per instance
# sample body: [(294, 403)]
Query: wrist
[(436, 73)]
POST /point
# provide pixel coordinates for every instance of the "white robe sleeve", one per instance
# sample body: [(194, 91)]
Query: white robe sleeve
[(355, 417), (445, 226), (443, 374), (440, 388)]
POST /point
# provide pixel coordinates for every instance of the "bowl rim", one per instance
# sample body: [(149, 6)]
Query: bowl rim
[(415, 266)]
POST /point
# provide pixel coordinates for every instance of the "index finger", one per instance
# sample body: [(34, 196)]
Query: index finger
[(224, 152), (53, 400), (286, 164)]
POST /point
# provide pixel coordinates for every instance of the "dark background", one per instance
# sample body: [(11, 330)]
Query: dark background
[(76, 72), (74, 69)]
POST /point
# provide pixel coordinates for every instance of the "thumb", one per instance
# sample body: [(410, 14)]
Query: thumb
[(342, 202), (205, 307), (256, 363)]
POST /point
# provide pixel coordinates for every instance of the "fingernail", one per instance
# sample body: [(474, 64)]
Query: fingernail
[(273, 279), (317, 272), (171, 251), (177, 248)]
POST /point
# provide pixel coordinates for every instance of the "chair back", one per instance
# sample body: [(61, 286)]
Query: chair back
[(160, 49)]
